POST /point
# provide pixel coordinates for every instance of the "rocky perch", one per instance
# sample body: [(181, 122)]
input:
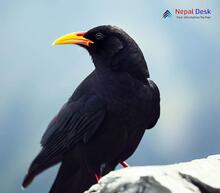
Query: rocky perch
[(197, 176)]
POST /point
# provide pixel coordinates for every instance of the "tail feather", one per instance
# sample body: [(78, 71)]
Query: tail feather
[(73, 176), (39, 164)]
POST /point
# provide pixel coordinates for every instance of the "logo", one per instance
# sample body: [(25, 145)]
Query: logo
[(167, 14), (193, 13)]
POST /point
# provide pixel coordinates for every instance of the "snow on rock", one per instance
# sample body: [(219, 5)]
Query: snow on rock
[(197, 176)]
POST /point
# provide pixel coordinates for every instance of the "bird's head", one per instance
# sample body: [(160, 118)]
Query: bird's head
[(110, 47)]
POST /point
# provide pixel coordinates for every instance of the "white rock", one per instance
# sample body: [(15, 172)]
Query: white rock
[(197, 176)]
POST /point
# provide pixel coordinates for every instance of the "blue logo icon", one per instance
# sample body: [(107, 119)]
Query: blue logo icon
[(167, 14)]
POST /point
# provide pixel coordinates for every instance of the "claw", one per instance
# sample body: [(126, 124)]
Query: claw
[(124, 164)]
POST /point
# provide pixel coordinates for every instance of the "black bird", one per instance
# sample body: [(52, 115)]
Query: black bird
[(104, 120)]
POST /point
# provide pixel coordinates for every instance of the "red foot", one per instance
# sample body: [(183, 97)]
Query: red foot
[(124, 164), (98, 177)]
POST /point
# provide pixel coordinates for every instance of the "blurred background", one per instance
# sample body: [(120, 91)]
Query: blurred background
[(36, 79)]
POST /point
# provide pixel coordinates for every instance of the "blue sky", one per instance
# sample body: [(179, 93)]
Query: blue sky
[(37, 78)]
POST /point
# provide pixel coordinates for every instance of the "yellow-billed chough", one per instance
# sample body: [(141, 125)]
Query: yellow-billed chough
[(104, 120)]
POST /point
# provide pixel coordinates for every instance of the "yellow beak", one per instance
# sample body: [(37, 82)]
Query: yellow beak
[(73, 38)]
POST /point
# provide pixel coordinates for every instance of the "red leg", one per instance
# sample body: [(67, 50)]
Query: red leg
[(124, 164), (98, 177)]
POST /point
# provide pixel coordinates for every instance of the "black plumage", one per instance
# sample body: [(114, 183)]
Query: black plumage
[(104, 120)]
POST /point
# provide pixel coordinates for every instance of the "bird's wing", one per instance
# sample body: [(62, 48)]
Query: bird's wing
[(77, 120), (155, 102)]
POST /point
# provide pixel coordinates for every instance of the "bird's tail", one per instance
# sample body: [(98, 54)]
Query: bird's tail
[(73, 176), (39, 164)]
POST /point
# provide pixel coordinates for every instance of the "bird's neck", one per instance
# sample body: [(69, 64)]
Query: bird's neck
[(101, 63), (104, 73), (122, 63), (114, 80)]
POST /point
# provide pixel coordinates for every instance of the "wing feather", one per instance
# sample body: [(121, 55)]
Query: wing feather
[(77, 120)]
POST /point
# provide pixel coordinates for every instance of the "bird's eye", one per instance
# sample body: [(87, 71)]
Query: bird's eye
[(99, 36)]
